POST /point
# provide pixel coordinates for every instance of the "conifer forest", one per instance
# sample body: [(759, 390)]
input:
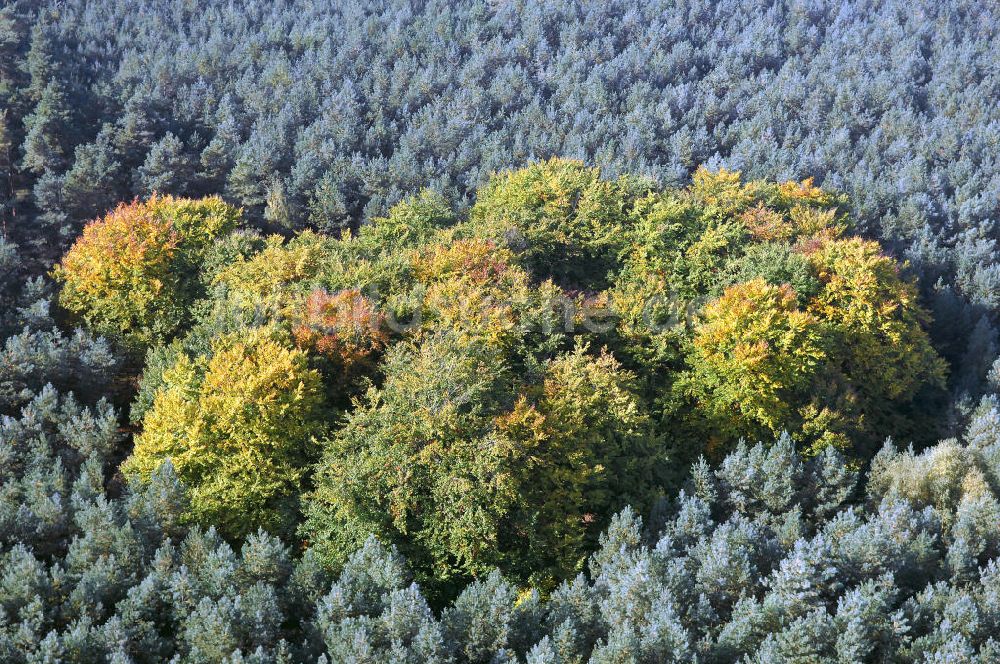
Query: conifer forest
[(499, 331)]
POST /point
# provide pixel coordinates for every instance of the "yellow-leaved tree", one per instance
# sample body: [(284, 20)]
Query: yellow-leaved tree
[(238, 426), (754, 354), (836, 367), (877, 318), (560, 218)]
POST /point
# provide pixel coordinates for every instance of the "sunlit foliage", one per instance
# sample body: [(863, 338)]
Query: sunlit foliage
[(238, 427), (133, 274), (480, 375), (345, 327), (560, 218), (755, 355), (486, 388)]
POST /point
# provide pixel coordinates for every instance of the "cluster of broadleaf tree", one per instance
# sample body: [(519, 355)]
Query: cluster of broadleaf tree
[(307, 114), (500, 420), (512, 433)]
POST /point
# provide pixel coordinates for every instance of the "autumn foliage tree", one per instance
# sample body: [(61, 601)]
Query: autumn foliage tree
[(831, 361), (238, 427), (876, 318), (731, 300), (135, 273), (755, 354), (486, 390), (561, 218), (346, 328), (464, 466)]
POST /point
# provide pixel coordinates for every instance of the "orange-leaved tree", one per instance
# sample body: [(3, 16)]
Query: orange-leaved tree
[(133, 273)]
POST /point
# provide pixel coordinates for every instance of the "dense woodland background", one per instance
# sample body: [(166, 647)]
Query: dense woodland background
[(320, 115), (329, 155)]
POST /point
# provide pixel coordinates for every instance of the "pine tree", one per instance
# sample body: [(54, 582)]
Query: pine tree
[(167, 169), (41, 63), (92, 186), (47, 129), (8, 196)]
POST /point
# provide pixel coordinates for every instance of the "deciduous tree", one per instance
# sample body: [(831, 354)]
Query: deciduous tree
[(238, 427)]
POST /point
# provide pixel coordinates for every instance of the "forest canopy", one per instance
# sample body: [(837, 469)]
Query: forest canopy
[(442, 398), (487, 390), (553, 332)]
